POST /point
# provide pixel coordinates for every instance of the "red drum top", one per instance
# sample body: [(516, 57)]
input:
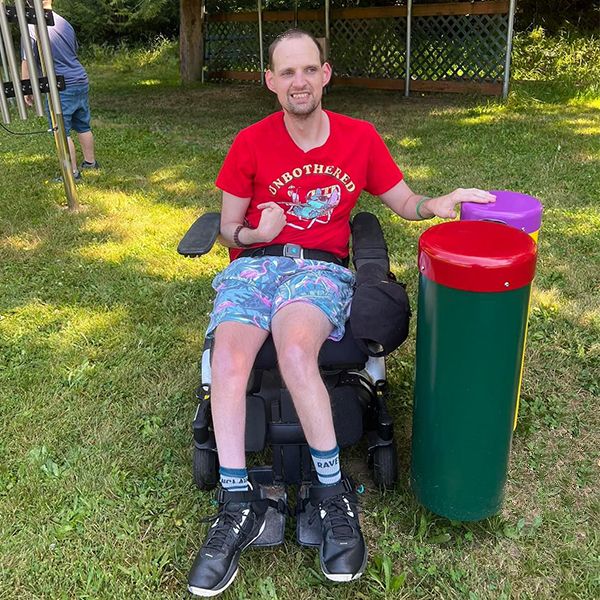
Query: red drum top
[(477, 256)]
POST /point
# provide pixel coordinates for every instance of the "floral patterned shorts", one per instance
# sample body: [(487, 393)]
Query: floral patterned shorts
[(251, 290)]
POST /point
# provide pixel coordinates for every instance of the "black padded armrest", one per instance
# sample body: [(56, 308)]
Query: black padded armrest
[(201, 236), (368, 243)]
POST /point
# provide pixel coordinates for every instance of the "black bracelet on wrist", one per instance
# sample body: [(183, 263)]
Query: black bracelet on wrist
[(236, 237)]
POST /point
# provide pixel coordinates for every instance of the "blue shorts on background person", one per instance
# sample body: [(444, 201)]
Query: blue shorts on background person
[(76, 108)]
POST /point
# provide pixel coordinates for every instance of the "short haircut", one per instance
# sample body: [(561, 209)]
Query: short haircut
[(291, 34)]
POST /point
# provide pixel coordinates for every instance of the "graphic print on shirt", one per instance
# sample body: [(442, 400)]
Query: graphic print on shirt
[(308, 199), (316, 207)]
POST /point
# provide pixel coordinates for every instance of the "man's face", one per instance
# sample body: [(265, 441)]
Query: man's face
[(297, 76)]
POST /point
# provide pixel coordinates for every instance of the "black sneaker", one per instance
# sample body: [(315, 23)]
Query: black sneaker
[(240, 520), (88, 165), (343, 552), (76, 177)]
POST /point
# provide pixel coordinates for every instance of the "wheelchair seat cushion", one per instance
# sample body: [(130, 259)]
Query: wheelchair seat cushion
[(343, 354)]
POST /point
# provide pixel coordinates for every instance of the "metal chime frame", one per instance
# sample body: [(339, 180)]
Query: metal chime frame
[(13, 89)]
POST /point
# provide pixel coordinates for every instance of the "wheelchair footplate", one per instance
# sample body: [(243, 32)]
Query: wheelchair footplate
[(274, 531), (308, 523)]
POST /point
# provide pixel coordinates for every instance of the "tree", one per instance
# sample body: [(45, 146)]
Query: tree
[(191, 40)]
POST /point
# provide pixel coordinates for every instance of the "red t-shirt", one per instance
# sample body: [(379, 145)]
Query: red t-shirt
[(317, 189)]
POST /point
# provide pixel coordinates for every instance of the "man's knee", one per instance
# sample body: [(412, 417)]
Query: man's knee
[(230, 360), (297, 361)]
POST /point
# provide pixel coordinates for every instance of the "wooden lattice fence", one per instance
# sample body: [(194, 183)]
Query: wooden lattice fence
[(454, 46)]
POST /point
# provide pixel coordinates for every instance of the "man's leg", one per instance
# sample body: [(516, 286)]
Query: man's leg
[(72, 154), (241, 515), (299, 330), (233, 354), (86, 140)]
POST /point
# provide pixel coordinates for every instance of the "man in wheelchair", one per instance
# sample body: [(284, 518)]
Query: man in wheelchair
[(289, 185)]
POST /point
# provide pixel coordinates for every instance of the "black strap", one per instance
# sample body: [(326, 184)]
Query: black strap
[(224, 495), (282, 250), (280, 505)]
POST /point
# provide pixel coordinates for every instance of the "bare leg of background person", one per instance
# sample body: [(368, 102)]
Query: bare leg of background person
[(86, 140), (73, 154)]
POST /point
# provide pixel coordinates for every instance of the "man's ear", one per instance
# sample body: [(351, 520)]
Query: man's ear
[(269, 79), (327, 72)]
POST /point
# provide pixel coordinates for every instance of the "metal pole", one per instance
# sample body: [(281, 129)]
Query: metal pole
[(12, 61), (327, 24), (30, 58), (408, 46), (60, 135), (4, 61), (260, 42), (3, 101), (509, 39), (4, 106)]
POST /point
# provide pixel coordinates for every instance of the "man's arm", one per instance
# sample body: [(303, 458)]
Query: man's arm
[(404, 202), (25, 75), (233, 213)]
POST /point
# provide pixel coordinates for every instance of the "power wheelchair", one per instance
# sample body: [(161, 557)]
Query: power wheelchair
[(354, 377)]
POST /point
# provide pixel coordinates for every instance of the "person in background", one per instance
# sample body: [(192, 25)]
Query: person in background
[(74, 99)]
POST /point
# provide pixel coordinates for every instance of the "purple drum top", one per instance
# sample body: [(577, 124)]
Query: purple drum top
[(511, 208)]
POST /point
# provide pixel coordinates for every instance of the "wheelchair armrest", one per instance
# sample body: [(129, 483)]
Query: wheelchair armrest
[(201, 236), (368, 243)]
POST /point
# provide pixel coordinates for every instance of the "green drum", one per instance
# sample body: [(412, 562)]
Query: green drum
[(474, 287)]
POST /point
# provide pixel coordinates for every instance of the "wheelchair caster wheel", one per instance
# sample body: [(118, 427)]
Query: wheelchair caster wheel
[(385, 466), (206, 469)]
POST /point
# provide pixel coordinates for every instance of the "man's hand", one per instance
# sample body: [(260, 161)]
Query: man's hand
[(445, 206), (272, 221), (28, 100)]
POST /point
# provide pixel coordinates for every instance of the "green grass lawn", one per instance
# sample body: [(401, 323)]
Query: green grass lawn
[(101, 325)]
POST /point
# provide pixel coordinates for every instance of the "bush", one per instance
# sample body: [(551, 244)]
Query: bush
[(160, 52), (117, 21), (556, 15), (569, 58)]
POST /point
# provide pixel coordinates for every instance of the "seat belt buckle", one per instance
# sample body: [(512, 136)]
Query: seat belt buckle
[(293, 251)]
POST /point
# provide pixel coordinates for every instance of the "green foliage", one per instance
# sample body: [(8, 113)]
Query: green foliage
[(382, 578), (570, 62), (159, 53), (556, 15), (119, 21), (570, 59)]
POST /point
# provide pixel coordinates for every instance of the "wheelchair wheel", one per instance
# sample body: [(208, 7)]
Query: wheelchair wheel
[(385, 466), (206, 469)]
